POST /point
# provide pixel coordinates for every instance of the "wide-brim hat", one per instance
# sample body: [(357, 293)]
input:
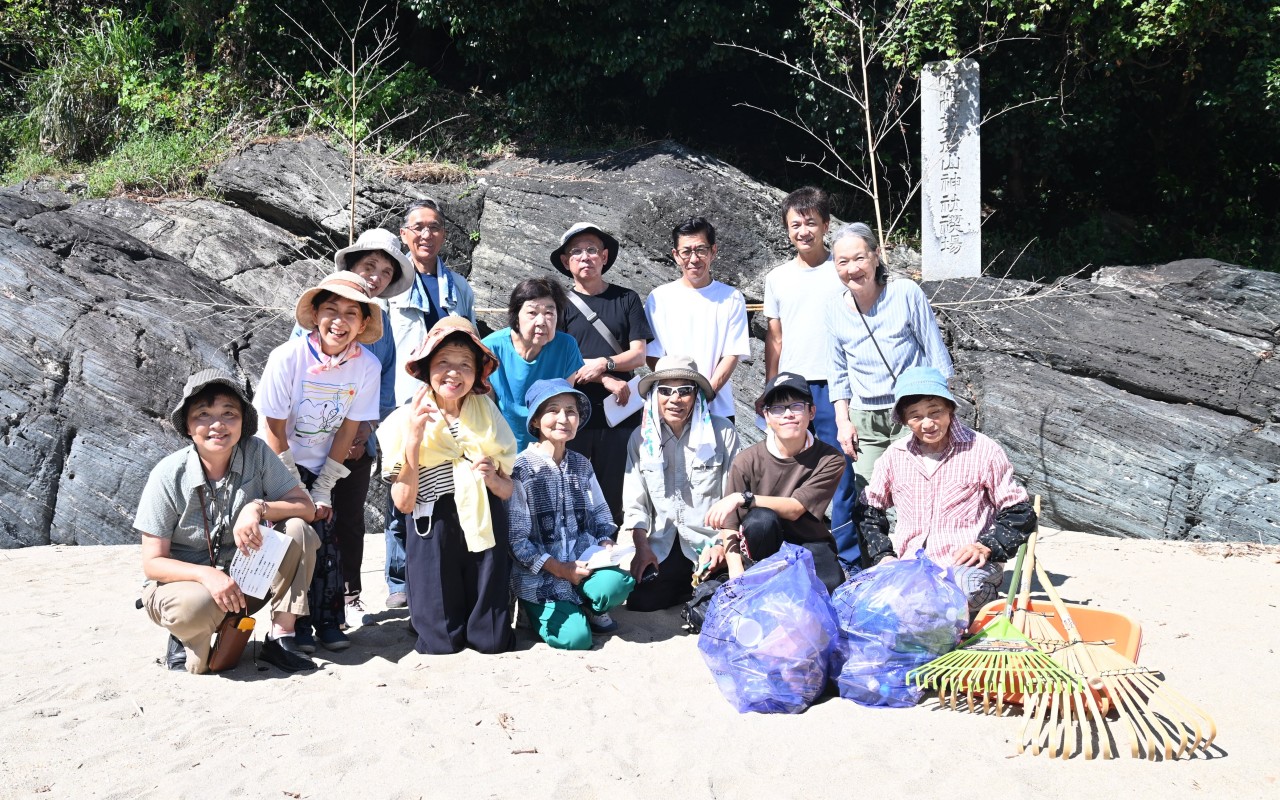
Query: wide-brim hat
[(348, 285), (196, 384), (382, 241), (610, 244), (674, 368), (791, 382), (920, 382), (542, 391), (420, 358)]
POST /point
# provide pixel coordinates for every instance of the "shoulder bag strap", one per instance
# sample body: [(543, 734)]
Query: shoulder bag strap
[(593, 319), (872, 336)]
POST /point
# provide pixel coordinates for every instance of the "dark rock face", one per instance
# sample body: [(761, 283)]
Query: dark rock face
[(1145, 403), (102, 329)]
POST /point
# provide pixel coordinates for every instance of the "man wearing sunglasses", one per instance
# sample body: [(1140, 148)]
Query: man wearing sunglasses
[(677, 463), (699, 316), (783, 485)]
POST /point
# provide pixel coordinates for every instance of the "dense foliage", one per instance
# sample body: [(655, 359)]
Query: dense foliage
[(1135, 130)]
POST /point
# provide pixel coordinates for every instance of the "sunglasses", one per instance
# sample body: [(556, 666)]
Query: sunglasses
[(683, 391)]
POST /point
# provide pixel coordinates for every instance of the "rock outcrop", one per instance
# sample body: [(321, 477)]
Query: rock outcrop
[(1144, 403)]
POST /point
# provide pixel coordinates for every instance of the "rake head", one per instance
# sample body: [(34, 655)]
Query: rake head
[(998, 661)]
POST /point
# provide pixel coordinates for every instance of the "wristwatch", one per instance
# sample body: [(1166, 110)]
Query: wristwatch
[(609, 365), (748, 499)]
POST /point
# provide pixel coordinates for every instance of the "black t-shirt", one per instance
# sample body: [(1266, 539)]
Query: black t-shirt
[(622, 312)]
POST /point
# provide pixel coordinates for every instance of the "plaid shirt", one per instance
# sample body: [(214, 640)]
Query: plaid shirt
[(952, 508), (555, 511)]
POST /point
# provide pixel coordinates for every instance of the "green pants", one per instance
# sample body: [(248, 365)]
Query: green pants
[(876, 431), (564, 625)]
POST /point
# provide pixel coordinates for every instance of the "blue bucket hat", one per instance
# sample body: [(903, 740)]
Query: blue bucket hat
[(542, 391), (917, 381)]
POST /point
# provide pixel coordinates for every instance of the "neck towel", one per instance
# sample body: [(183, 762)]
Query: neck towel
[(482, 432), (324, 363), (702, 436)]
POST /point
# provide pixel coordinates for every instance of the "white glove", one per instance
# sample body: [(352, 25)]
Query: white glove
[(322, 489), (287, 458)]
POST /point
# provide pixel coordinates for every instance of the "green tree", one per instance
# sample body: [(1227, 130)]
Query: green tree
[(550, 49)]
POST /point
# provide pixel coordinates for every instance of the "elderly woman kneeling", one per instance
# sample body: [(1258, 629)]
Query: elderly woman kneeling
[(205, 502), (558, 514), (449, 453)]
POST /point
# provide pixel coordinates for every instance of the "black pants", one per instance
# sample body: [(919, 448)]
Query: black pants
[(672, 587), (324, 597), (606, 449), (765, 523), (347, 525), (458, 598)]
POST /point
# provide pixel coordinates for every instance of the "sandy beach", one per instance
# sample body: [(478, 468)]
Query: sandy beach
[(88, 712)]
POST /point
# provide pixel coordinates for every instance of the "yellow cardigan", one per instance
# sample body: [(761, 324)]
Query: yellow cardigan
[(484, 432)]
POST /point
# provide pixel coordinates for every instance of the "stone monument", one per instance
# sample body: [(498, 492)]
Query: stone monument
[(950, 157)]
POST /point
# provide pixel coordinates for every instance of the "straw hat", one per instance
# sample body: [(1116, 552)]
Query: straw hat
[(350, 286), (420, 358), (196, 384), (671, 368), (382, 241), (610, 244)]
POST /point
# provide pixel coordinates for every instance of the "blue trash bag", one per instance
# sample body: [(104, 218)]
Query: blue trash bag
[(893, 618), (768, 634)]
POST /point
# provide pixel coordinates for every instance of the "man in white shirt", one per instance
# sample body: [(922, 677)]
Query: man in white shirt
[(796, 294), (698, 316)]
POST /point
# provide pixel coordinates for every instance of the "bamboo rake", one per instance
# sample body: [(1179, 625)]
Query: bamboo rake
[(1156, 717)]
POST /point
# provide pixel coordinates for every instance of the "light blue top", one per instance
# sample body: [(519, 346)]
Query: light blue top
[(560, 358), (415, 311), (904, 327)]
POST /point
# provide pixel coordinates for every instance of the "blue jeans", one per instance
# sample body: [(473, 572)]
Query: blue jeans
[(394, 534), (842, 525)]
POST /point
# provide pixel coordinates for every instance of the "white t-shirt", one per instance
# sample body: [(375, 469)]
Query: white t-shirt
[(705, 324), (798, 296), (314, 406)]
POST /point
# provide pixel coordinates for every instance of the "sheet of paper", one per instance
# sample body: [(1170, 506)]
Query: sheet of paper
[(614, 413), (760, 423), (597, 556), (253, 573)]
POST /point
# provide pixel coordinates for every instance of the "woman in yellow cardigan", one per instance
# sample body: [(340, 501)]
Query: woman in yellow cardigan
[(448, 454)]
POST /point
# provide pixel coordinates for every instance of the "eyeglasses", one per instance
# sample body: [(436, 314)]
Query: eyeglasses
[(684, 391), (689, 252), (592, 252), (778, 410), (430, 230)]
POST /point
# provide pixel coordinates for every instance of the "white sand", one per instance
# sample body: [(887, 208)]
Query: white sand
[(87, 712)]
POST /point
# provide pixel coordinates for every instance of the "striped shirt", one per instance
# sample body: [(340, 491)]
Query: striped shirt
[(950, 508), (433, 482), (905, 330)]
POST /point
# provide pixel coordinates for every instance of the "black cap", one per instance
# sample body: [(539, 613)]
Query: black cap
[(790, 381)]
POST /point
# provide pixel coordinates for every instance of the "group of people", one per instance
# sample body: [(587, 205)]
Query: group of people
[(512, 477)]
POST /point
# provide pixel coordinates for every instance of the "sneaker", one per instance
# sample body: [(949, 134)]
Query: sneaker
[(175, 655), (303, 641), (284, 653), (601, 623), (397, 600), (332, 639), (355, 614)]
